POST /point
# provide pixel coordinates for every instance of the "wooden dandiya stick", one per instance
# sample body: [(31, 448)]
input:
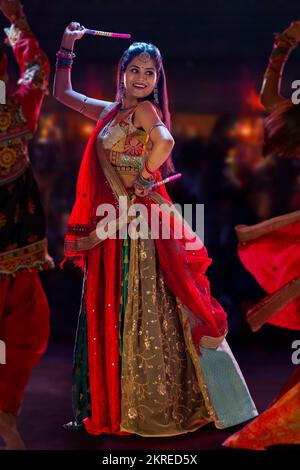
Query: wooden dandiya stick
[(167, 180), (94, 32)]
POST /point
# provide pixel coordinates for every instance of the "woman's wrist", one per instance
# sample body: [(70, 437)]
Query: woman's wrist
[(67, 42), (65, 57), (148, 170), (13, 11)]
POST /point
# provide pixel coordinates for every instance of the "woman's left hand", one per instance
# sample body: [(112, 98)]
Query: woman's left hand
[(293, 30)]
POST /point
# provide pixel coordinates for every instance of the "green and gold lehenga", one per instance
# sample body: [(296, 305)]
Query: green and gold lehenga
[(166, 386)]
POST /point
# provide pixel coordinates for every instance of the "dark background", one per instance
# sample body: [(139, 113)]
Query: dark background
[(215, 54)]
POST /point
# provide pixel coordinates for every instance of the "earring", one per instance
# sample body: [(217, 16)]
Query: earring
[(122, 88), (155, 93)]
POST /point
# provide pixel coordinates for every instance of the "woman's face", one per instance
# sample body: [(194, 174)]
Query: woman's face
[(140, 76)]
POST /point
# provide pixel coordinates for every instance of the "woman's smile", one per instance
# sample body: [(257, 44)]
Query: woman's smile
[(140, 86)]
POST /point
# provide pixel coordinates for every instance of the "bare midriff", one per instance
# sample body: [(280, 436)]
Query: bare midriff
[(123, 149), (127, 180)]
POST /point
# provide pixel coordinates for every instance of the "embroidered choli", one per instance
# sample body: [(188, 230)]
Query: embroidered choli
[(18, 117), (126, 146), (22, 225)]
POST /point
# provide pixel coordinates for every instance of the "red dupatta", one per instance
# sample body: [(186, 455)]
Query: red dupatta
[(270, 251), (183, 270)]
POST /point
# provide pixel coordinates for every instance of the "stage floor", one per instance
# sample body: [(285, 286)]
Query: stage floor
[(47, 404)]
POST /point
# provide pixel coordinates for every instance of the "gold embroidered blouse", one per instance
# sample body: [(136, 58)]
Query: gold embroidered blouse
[(127, 147)]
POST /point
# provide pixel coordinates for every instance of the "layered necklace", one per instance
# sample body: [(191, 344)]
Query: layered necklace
[(126, 108)]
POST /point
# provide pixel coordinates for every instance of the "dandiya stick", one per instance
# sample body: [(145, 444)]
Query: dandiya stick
[(94, 32), (166, 180)]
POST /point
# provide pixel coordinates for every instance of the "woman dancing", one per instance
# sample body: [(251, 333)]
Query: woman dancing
[(270, 250), (151, 356)]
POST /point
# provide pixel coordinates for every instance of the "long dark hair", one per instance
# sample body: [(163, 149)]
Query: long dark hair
[(134, 50), (282, 131)]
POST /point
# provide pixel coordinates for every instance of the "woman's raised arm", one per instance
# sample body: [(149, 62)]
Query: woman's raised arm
[(147, 117), (62, 89), (270, 94)]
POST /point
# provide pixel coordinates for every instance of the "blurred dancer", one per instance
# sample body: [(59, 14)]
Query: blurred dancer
[(270, 250), (24, 311)]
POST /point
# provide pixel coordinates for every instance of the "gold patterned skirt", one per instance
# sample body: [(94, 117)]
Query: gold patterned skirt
[(161, 393)]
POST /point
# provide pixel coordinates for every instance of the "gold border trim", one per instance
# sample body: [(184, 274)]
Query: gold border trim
[(251, 232), (271, 304)]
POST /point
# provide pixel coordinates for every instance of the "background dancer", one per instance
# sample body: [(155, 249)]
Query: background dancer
[(24, 311)]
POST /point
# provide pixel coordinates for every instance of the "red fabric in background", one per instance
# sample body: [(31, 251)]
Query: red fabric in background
[(293, 380), (28, 51), (24, 327), (184, 271), (274, 260)]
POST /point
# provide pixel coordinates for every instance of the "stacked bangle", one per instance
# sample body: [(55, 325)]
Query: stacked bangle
[(64, 58), (290, 41), (146, 183), (146, 166)]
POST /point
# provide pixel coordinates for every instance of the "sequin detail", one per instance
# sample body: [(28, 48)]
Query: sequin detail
[(160, 390)]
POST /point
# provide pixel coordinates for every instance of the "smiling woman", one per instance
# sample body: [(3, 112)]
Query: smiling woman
[(151, 356)]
